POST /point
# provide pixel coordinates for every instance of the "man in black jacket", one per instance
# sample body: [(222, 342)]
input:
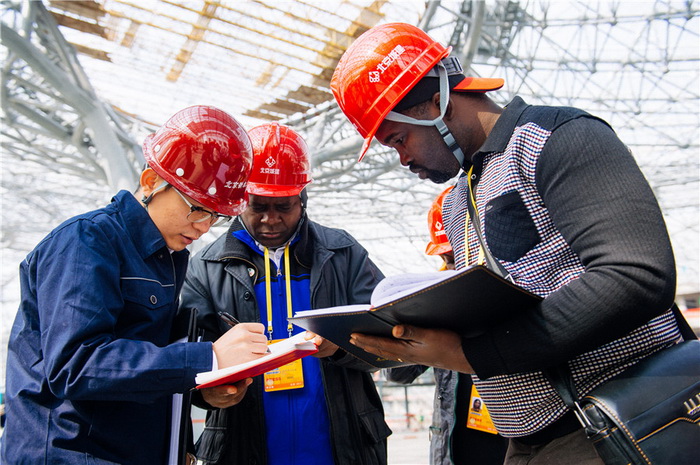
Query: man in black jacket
[(272, 262)]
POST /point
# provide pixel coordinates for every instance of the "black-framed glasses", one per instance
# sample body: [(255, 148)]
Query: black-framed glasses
[(201, 214)]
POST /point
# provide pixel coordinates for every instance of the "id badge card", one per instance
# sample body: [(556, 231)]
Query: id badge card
[(289, 376), (478, 417)]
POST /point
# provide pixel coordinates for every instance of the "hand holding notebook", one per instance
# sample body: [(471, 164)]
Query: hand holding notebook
[(466, 302)]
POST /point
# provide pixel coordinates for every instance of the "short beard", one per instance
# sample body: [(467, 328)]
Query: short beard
[(439, 177), (444, 171)]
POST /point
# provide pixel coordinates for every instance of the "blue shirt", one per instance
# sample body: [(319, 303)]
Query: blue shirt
[(297, 424), (90, 372)]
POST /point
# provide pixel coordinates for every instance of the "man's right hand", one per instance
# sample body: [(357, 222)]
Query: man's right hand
[(440, 348), (242, 343)]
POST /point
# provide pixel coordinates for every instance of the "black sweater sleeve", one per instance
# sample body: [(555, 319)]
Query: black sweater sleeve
[(606, 211)]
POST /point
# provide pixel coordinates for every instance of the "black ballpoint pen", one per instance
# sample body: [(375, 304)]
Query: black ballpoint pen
[(228, 319), (232, 321)]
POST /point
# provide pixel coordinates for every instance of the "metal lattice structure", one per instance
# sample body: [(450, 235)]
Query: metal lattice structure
[(84, 81)]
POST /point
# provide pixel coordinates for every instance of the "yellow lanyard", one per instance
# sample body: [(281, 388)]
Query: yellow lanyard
[(482, 257), (268, 293)]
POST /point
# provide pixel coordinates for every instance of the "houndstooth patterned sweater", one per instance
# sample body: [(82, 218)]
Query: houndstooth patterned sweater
[(566, 210)]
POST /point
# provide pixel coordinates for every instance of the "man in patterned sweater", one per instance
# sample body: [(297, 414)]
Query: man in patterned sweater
[(563, 208)]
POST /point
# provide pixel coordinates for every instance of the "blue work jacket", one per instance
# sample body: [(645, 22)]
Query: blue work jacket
[(91, 370)]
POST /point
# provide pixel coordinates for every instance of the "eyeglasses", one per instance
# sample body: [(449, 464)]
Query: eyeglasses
[(201, 214)]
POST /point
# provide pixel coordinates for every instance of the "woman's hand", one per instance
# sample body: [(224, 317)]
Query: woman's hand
[(228, 395)]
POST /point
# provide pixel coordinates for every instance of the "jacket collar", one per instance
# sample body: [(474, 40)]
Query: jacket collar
[(143, 231), (236, 248), (311, 237), (232, 248), (498, 138)]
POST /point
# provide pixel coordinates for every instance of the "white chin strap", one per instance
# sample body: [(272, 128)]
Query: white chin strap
[(437, 122), (146, 200)]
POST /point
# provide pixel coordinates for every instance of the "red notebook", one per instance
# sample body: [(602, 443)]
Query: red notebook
[(281, 353)]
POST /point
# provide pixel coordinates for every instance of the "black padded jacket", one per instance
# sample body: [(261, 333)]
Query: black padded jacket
[(219, 278)]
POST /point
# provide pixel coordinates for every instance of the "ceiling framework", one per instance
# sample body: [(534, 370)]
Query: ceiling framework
[(84, 81)]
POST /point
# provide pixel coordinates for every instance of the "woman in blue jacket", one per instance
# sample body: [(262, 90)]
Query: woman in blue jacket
[(91, 369)]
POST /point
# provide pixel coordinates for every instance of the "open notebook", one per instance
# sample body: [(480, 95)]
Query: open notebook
[(466, 301)]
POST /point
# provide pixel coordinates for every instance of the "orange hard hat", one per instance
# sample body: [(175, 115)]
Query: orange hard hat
[(204, 153), (281, 165), (382, 66), (438, 244)]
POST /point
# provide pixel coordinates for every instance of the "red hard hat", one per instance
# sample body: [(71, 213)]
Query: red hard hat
[(280, 161), (438, 244), (381, 67), (204, 153)]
